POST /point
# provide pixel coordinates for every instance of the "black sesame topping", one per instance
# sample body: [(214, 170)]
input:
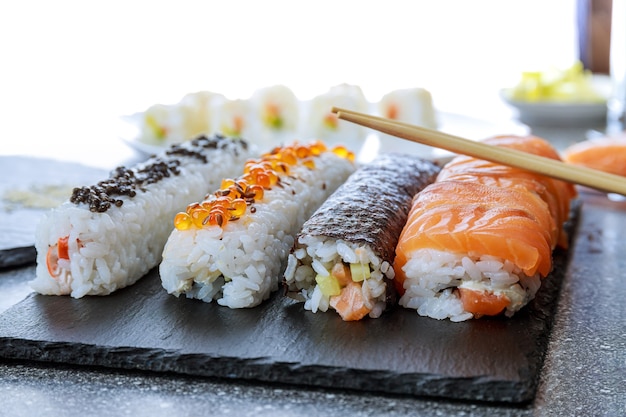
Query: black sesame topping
[(128, 181)]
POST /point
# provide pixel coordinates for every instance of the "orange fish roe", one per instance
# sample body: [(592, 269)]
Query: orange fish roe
[(231, 201)]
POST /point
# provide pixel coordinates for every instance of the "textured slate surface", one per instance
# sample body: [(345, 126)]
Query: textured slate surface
[(17, 256), (142, 327)]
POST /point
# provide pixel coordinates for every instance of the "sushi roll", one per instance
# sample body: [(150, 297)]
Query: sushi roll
[(343, 255), (275, 115), (606, 154), (479, 241), (408, 105), (108, 235), (196, 113), (233, 118), (167, 124), (232, 246), (323, 124), (156, 125)]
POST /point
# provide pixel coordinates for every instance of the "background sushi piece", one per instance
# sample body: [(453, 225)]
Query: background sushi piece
[(275, 116), (321, 123), (167, 124), (196, 111), (234, 118), (606, 153), (409, 105)]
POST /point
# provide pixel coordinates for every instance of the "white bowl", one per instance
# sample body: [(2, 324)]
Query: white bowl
[(562, 114)]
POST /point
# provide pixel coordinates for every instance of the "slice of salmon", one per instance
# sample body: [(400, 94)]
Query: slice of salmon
[(350, 304), (606, 154), (479, 208), (477, 219), (483, 303), (557, 194)]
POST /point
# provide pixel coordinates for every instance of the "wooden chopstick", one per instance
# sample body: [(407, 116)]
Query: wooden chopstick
[(588, 177)]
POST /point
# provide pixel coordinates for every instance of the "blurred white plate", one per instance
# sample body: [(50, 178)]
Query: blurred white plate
[(129, 132), (557, 113), (144, 149)]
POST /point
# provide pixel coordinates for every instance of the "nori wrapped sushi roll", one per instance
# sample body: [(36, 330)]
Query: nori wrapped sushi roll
[(343, 255)]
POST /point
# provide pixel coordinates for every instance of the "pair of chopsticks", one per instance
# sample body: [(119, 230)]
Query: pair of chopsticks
[(588, 177)]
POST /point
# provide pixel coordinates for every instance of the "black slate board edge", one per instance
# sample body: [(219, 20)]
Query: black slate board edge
[(15, 257), (485, 389)]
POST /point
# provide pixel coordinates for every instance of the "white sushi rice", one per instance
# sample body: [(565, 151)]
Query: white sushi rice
[(113, 249), (315, 255), (241, 264), (432, 277)]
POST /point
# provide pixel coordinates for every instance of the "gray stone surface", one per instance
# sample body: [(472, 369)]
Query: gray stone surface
[(585, 369), (37, 390)]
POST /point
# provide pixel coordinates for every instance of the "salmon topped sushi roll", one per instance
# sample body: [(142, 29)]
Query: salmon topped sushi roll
[(606, 154), (555, 193), (479, 240)]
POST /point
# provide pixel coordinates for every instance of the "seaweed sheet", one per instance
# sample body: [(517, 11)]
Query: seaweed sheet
[(372, 206)]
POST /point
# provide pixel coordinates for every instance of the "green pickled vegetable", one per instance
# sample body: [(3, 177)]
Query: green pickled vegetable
[(359, 272), (328, 285), (573, 85)]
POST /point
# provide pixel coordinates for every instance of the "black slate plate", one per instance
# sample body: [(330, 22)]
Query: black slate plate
[(142, 327)]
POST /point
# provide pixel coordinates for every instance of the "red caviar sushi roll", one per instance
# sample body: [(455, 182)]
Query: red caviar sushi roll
[(233, 245)]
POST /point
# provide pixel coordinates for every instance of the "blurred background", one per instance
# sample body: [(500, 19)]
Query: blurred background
[(71, 68)]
